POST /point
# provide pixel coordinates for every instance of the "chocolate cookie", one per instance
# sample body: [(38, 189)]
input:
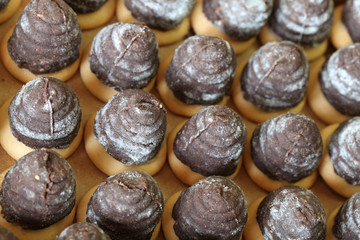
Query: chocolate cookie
[(45, 113), (131, 126), (38, 191), (346, 224), (3, 4), (212, 141), (125, 199), (351, 18), (6, 234), (163, 15), (83, 231), (202, 70), (213, 208), (344, 152), (125, 55), (46, 38), (340, 80), (291, 212), (276, 76), (240, 20), (288, 147), (85, 6), (306, 22)]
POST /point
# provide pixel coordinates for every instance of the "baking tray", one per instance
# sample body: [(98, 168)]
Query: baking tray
[(87, 175)]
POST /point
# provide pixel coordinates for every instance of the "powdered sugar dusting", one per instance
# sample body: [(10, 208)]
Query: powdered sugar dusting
[(212, 141), (29, 112), (346, 225), (125, 55), (276, 76), (340, 80), (39, 190), (132, 197), (201, 207), (53, 25), (351, 18), (304, 22), (131, 126), (242, 19), (205, 62), (291, 212), (344, 150), (337, 74), (288, 147), (160, 14)]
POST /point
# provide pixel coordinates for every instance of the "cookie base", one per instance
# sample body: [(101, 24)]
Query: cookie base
[(255, 114), (182, 171), (267, 35), (326, 169), (167, 220), (339, 35), (330, 223), (82, 208), (99, 17), (174, 104), (99, 89), (25, 75), (109, 165), (17, 149), (252, 230), (202, 26), (40, 234), (163, 37), (9, 10)]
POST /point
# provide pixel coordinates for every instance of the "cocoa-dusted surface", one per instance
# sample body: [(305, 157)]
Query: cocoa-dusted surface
[(46, 113), (346, 225), (38, 191), (213, 208), (240, 20), (46, 38), (131, 126), (83, 231), (344, 152), (163, 15), (88, 175), (6, 234), (125, 55), (276, 76), (306, 22), (202, 70), (85, 6), (3, 4), (291, 212), (340, 80), (287, 147), (351, 19), (212, 141), (127, 205)]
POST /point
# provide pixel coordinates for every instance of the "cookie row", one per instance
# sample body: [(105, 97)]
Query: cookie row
[(129, 132), (214, 207), (307, 24)]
